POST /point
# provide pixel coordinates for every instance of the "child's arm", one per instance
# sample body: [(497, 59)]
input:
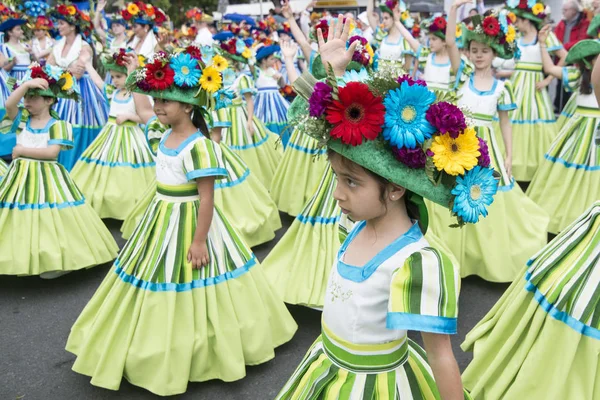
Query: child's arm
[(334, 52), (414, 43), (596, 79), (12, 102), (444, 366), (96, 78), (289, 51), (250, 112), (371, 16), (296, 31), (198, 252), (453, 51), (506, 128), (216, 134), (49, 153), (549, 67), (97, 23), (128, 117)]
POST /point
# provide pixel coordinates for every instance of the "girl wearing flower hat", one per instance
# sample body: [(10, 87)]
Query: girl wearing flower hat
[(246, 134), (393, 47), (186, 299), (118, 165), (47, 227), (533, 121), (42, 43), (144, 18), (72, 52), (269, 105), (516, 226), (117, 38), (568, 179), (15, 54), (386, 279)]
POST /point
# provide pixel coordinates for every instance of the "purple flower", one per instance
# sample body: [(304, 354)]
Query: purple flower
[(484, 158), (319, 100), (143, 85), (447, 118), (411, 81), (361, 39), (391, 4), (413, 158)]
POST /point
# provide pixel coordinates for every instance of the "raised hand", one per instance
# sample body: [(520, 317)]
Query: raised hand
[(334, 52), (289, 49), (286, 10), (543, 34)]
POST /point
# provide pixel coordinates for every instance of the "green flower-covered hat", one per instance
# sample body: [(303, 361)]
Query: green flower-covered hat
[(116, 61), (533, 10), (582, 50), (436, 26), (178, 75), (401, 130), (495, 29), (61, 83)]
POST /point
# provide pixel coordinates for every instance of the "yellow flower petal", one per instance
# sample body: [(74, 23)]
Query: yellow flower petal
[(211, 80), (456, 156), (219, 63)]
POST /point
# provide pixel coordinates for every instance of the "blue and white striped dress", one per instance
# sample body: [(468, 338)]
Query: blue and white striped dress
[(23, 60), (270, 106), (88, 115)]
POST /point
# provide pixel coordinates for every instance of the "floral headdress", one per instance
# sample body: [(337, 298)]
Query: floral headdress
[(436, 26), (61, 82), (142, 13), (7, 13), (42, 23), (179, 75), (403, 131), (405, 17), (235, 49), (495, 30), (532, 10), (34, 8), (69, 13), (116, 61), (363, 54)]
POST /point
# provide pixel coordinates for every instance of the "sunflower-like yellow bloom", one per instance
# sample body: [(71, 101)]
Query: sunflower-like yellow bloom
[(219, 63), (537, 9), (72, 10), (247, 53), (511, 34), (456, 156), (133, 9), (458, 31), (68, 84), (211, 80)]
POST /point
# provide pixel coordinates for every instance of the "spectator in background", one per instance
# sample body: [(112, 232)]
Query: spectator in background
[(570, 30)]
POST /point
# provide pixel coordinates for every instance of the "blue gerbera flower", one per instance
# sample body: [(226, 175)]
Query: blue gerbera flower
[(405, 124), (512, 3), (240, 46), (531, 3), (228, 77), (208, 52), (223, 98), (187, 73), (474, 192), (353, 76)]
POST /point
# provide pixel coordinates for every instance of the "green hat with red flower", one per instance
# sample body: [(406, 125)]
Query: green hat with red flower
[(116, 61), (534, 10), (139, 12), (178, 75), (436, 26), (72, 15), (61, 83), (403, 131), (496, 30)]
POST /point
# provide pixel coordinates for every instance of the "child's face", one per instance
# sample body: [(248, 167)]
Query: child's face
[(481, 55), (388, 21), (117, 28), (169, 112), (269, 62), (357, 192), (435, 43), (118, 79), (39, 33), (36, 105)]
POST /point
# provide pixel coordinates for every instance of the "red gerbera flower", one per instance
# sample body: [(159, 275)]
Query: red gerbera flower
[(159, 76), (159, 17), (63, 10), (491, 27), (523, 4), (38, 72), (194, 52), (126, 15), (440, 23), (324, 26), (357, 115)]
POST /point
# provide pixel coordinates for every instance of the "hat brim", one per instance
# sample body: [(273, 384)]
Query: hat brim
[(174, 93), (527, 15), (582, 50), (268, 51), (11, 23)]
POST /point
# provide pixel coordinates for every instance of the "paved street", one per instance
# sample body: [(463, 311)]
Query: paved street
[(36, 316)]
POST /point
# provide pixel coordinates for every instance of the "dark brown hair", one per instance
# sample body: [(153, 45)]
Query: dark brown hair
[(199, 122), (586, 76), (411, 209)]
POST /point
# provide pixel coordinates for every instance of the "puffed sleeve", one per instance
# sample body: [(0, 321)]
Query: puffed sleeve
[(245, 85), (154, 132), (553, 43), (61, 133), (506, 102), (203, 159), (465, 70), (424, 294), (571, 78), (15, 125), (109, 92), (221, 118), (423, 54)]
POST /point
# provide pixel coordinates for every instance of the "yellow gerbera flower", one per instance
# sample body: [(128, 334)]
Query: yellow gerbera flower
[(247, 53), (72, 10), (68, 84), (210, 80), (133, 9), (219, 63), (405, 15), (456, 156), (141, 60), (537, 9), (511, 34), (458, 31)]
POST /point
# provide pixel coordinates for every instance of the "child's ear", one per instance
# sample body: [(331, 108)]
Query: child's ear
[(395, 192)]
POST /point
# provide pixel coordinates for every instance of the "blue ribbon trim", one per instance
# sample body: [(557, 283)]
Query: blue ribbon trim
[(116, 164), (41, 206), (250, 145), (306, 149), (317, 220), (236, 182), (202, 173), (421, 323), (182, 287), (572, 165)]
